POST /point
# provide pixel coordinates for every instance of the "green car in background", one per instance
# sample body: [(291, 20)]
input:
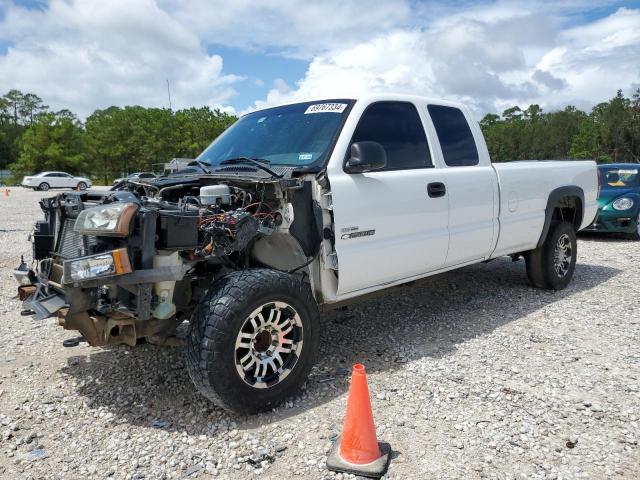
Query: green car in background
[(618, 200)]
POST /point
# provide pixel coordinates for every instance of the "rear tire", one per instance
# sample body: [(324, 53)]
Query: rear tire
[(252, 340), (551, 265), (44, 186)]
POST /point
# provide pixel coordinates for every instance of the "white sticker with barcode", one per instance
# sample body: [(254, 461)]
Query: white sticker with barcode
[(628, 172), (326, 108)]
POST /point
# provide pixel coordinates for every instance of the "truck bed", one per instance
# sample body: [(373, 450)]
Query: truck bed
[(524, 189)]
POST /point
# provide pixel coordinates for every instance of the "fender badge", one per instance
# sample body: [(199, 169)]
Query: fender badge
[(364, 233)]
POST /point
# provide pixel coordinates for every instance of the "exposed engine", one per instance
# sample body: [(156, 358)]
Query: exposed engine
[(134, 261), (221, 221)]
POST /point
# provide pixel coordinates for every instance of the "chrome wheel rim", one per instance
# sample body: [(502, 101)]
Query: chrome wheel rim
[(268, 345), (562, 255), (82, 186), (44, 187)]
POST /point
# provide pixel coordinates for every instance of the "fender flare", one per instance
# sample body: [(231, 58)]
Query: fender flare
[(552, 201)]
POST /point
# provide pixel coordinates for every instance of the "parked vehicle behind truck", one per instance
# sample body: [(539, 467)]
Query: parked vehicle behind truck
[(46, 180), (618, 200), (295, 209)]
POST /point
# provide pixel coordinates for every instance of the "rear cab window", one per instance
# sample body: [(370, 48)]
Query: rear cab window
[(454, 134), (398, 128)]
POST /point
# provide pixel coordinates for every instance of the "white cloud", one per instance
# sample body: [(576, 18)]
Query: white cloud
[(86, 55), (296, 28), (595, 59), (489, 57), (83, 54)]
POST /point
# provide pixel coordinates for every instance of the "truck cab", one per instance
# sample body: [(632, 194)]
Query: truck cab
[(435, 201)]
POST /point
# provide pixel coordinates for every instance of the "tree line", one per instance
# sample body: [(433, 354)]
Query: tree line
[(107, 144), (117, 140), (609, 133)]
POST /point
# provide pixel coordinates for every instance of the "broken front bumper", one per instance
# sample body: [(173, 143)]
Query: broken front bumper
[(101, 286), (77, 303)]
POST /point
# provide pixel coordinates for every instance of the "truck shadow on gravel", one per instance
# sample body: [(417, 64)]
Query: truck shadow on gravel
[(149, 386)]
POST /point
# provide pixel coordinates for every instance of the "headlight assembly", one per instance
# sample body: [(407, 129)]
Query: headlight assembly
[(105, 264), (623, 203), (109, 220)]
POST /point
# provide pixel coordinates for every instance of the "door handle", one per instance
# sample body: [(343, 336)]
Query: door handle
[(436, 189)]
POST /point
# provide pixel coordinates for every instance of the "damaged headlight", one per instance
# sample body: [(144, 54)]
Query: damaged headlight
[(106, 264), (110, 220)]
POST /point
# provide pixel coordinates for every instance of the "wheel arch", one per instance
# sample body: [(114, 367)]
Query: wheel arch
[(561, 199)]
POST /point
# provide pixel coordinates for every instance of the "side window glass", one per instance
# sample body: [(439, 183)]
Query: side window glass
[(397, 127), (456, 140)]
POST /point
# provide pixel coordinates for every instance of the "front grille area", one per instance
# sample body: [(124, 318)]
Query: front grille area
[(71, 244)]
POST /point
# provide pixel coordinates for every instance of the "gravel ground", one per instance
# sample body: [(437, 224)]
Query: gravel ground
[(473, 374)]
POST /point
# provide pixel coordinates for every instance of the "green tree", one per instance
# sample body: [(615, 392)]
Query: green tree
[(53, 142), (615, 120), (30, 107), (17, 111), (106, 134), (14, 99), (196, 129), (586, 143), (129, 139)]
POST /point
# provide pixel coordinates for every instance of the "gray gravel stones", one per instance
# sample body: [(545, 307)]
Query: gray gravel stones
[(473, 374)]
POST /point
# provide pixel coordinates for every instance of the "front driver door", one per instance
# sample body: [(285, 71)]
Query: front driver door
[(387, 227)]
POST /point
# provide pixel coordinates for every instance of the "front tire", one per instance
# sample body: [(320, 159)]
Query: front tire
[(82, 186), (252, 340), (551, 265)]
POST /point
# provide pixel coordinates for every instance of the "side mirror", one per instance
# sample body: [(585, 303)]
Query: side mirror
[(365, 157)]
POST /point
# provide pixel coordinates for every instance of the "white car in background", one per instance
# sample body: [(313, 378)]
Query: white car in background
[(46, 180)]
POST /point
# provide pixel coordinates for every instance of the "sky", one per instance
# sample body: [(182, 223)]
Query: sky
[(241, 55)]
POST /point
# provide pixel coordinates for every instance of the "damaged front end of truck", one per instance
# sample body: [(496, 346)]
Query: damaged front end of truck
[(135, 261), (240, 244)]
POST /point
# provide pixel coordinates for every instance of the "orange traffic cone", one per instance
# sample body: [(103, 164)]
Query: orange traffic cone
[(358, 451)]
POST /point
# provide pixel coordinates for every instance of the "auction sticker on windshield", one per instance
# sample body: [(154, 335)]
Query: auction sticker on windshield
[(326, 108)]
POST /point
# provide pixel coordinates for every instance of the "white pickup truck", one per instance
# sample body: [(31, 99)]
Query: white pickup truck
[(295, 209)]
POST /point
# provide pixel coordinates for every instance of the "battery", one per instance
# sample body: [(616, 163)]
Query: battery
[(177, 230)]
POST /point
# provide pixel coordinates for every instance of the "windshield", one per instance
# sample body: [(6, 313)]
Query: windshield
[(617, 177), (300, 135)]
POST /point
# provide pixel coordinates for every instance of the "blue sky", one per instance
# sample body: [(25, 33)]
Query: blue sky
[(245, 54), (260, 69)]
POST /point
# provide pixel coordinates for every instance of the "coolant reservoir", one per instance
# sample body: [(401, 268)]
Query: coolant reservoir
[(164, 290), (215, 195)]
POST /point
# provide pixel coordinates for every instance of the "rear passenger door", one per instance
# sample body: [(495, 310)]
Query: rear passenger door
[(472, 187), (387, 227)]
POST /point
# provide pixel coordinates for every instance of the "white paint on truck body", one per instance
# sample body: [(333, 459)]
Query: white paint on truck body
[(488, 210)]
